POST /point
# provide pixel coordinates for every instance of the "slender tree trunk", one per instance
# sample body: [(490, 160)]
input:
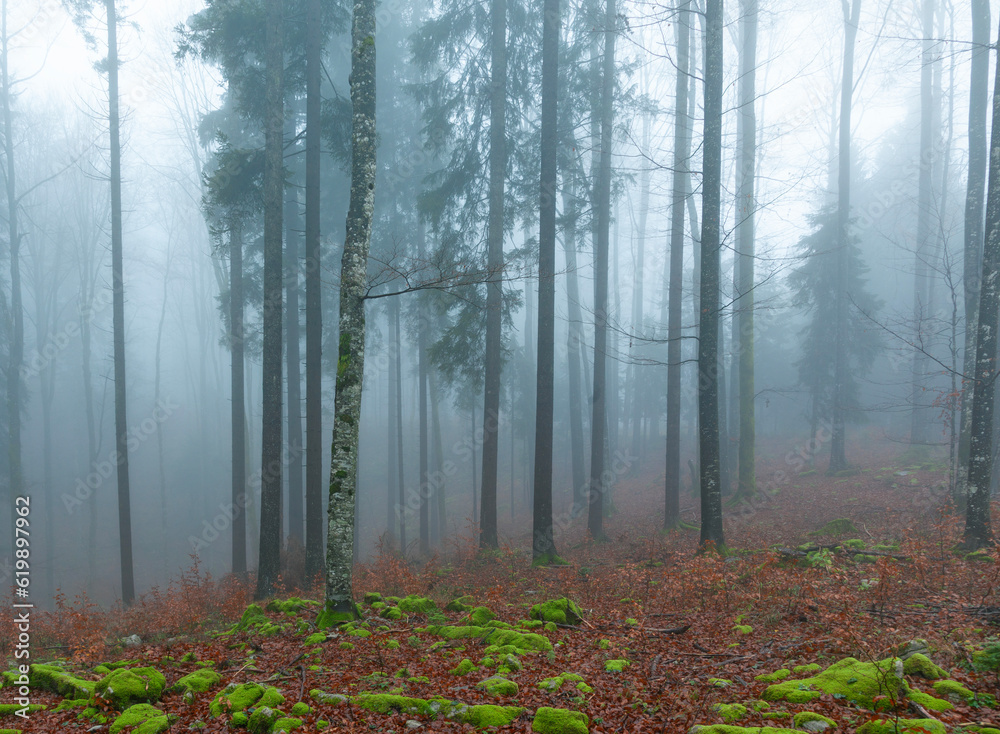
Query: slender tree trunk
[(395, 477), (161, 468), (269, 557), (494, 265), (293, 359), (350, 365), (574, 337), (437, 450), (424, 489), (314, 314), (919, 414), (238, 415), (475, 489), (682, 147), (16, 355), (838, 451), (598, 425), (746, 251), (708, 342), (978, 91), (978, 529), (636, 386), (118, 307), (401, 495), (543, 549)]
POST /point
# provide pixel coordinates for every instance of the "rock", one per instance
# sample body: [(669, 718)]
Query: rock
[(132, 641), (413, 724), (911, 648)]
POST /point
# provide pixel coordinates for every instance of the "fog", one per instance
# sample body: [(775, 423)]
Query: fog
[(188, 101)]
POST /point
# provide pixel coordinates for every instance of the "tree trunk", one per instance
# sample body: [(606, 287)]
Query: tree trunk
[(598, 425), (978, 91), (543, 549), (314, 313), (838, 450), (636, 386), (920, 417), (746, 485), (682, 147), (494, 265), (400, 492), (978, 530), (708, 341), (239, 496), (293, 410), (424, 490), (269, 557), (339, 604), (574, 339), (440, 529), (118, 307)]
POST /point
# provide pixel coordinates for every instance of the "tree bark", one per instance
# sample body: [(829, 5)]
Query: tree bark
[(708, 341), (746, 252), (269, 557), (974, 203), (574, 339), (118, 317), (598, 425), (239, 497), (543, 549), (978, 529), (293, 410), (314, 314), (838, 449), (494, 266), (339, 605)]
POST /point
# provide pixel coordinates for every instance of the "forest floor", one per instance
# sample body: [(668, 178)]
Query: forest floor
[(667, 639)]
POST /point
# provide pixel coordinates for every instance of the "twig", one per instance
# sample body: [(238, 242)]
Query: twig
[(669, 630)]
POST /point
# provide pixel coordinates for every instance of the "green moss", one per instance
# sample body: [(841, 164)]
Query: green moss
[(954, 691), (55, 679), (490, 635), (929, 702), (560, 611), (486, 715), (371, 597), (921, 665), (359, 633), (346, 645), (802, 669), (463, 668), (730, 712), (262, 719), (239, 720), (854, 544), (301, 709), (334, 618), (510, 664), (9, 709), (863, 558), (804, 717), (498, 686), (905, 726), (197, 682), (556, 682), (461, 604), (327, 699), (838, 527), (761, 705), (391, 644), (391, 613), (292, 605), (141, 719), (604, 644), (729, 729), (481, 615), (239, 697), (315, 639), (720, 682), (559, 721), (743, 629), (774, 677), (253, 616), (414, 604), (858, 682), (286, 723), (616, 666), (126, 687), (385, 703)]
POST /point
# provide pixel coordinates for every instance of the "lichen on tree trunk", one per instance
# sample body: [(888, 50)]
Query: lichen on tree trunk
[(339, 604)]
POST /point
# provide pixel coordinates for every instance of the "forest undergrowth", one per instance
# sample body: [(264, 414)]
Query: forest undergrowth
[(823, 570)]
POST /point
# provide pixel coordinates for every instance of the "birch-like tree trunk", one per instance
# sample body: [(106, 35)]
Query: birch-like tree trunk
[(339, 605), (239, 496)]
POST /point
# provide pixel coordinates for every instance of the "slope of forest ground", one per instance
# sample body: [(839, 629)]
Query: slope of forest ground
[(667, 640)]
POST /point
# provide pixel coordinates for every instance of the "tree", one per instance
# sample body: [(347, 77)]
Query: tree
[(816, 285), (708, 336), (543, 543), (238, 412), (269, 558), (598, 426), (339, 603), (975, 191), (680, 184), (314, 314), (978, 527), (838, 450), (743, 336)]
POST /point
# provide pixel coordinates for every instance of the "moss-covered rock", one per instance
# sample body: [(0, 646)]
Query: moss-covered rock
[(9, 709), (126, 687), (392, 613), (808, 668), (464, 668), (414, 604), (559, 721), (858, 682), (560, 611), (743, 629), (730, 729), (328, 699), (813, 722), (523, 641), (317, 638), (921, 665), (461, 604), (836, 528), (55, 679), (142, 718), (954, 691), (285, 724), (929, 702), (262, 719), (301, 709), (854, 544), (903, 726), (371, 597), (498, 686), (730, 712), (199, 681), (292, 605), (774, 677), (616, 666), (481, 615), (237, 697), (485, 715)]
